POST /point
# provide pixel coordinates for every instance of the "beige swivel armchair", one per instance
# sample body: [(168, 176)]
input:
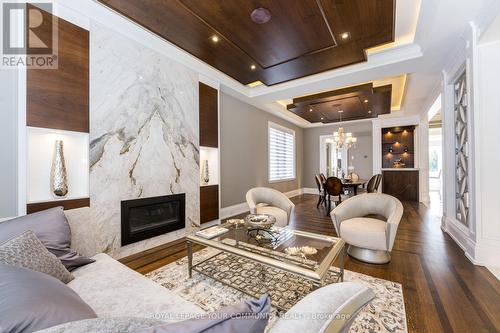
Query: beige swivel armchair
[(370, 239), (263, 200)]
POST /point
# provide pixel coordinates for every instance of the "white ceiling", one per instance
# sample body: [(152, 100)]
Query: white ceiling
[(439, 34)]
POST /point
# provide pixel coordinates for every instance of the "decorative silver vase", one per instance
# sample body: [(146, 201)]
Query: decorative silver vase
[(205, 174), (58, 177)]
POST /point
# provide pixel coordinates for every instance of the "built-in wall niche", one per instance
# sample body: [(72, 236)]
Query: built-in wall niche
[(41, 146), (209, 166), (398, 147)]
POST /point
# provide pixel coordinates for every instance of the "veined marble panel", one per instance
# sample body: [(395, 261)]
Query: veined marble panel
[(143, 135)]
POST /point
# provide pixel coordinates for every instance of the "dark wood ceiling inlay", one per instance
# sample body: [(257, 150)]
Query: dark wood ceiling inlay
[(358, 102), (303, 37)]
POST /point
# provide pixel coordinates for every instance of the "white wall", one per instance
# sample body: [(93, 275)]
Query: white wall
[(8, 143), (480, 239)]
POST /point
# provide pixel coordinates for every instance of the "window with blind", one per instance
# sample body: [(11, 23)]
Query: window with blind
[(281, 153)]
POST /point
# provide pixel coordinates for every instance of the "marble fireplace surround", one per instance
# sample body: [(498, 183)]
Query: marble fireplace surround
[(143, 138)]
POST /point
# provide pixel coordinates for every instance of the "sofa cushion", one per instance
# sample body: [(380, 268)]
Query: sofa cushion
[(245, 317), (27, 251), (52, 228), (364, 232), (278, 213), (31, 301), (104, 325), (329, 309), (114, 290)]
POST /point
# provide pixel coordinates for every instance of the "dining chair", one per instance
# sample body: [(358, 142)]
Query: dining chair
[(333, 187), (322, 177), (321, 191), (374, 183)]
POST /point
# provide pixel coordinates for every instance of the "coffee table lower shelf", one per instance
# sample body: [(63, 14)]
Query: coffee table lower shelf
[(254, 278)]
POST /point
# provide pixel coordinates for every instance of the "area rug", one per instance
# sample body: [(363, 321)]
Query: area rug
[(386, 313)]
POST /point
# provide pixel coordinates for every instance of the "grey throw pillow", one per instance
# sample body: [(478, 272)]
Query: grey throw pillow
[(52, 229), (244, 317), (27, 251), (32, 301)]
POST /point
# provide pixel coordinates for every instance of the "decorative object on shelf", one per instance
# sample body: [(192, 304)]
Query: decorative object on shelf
[(342, 138), (236, 222), (390, 150), (58, 176), (205, 177), (302, 251), (398, 163)]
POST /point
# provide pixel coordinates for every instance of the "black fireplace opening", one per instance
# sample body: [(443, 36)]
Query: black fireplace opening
[(149, 217)]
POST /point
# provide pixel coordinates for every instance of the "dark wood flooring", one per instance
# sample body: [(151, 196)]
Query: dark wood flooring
[(443, 290)]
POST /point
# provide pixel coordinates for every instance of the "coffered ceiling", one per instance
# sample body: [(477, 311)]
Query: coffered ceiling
[(268, 41), (352, 103)]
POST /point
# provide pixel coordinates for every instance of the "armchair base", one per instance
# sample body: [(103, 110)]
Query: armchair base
[(369, 256)]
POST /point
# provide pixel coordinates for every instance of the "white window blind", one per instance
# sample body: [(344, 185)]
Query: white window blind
[(281, 153)]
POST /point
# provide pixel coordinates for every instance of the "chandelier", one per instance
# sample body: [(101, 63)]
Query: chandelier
[(341, 138)]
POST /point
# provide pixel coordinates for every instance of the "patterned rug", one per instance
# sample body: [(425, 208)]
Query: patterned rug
[(386, 313)]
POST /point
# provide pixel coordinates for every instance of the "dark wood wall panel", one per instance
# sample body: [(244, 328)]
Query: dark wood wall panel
[(209, 117), (401, 184), (209, 203), (67, 204), (59, 98), (398, 144)]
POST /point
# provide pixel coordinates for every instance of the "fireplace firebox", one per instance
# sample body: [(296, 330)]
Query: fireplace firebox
[(149, 217)]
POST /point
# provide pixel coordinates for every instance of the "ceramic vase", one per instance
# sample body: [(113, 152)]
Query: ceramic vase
[(205, 174), (58, 176)]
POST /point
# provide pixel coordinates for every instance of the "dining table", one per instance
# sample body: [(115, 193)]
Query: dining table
[(354, 184)]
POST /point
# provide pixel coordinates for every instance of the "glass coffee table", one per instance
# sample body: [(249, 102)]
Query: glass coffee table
[(314, 264)]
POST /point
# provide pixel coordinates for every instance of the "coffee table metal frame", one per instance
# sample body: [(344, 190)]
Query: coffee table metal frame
[(316, 275)]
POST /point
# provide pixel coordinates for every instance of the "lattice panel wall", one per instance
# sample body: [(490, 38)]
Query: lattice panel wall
[(461, 150)]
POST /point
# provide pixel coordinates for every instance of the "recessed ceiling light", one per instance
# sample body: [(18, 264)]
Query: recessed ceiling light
[(366, 101), (345, 35), (322, 118), (215, 38), (310, 109), (369, 111), (252, 67)]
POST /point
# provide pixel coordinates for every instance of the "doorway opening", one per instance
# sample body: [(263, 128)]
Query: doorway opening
[(436, 157)]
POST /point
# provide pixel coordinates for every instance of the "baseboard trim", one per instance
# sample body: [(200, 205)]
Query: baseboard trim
[(460, 235)]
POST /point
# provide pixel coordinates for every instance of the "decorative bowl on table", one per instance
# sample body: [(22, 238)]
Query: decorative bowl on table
[(260, 221)]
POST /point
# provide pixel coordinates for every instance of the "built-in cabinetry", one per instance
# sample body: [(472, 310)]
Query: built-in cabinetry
[(209, 153), (400, 177), (57, 108)]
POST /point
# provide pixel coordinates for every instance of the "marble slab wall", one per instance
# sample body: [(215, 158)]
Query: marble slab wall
[(143, 135)]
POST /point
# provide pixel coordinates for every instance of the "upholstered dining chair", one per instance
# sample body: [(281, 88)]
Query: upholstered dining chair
[(374, 183), (333, 188), (370, 239), (321, 191), (322, 177), (263, 200)]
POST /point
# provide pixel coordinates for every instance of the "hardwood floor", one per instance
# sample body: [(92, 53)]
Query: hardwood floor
[(443, 290)]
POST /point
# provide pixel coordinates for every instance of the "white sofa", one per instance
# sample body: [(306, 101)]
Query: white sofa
[(113, 290)]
